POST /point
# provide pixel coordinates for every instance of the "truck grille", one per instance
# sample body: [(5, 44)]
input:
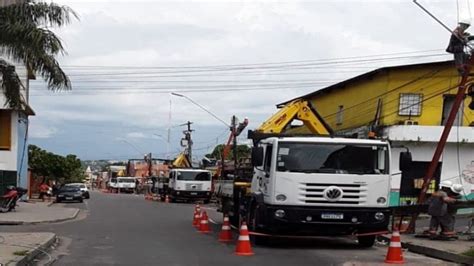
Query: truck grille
[(352, 194), (193, 186)]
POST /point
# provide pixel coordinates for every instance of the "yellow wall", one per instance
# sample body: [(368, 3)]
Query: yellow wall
[(360, 98)]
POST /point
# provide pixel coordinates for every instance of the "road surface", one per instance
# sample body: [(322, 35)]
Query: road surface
[(127, 230)]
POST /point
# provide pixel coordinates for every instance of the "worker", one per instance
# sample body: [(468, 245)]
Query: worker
[(457, 43), (442, 210)]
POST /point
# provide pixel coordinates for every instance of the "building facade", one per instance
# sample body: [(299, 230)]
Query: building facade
[(14, 135), (408, 105)]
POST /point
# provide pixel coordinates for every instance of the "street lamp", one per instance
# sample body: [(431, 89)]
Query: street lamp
[(200, 106)]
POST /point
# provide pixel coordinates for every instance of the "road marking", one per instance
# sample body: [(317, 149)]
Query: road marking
[(212, 221)]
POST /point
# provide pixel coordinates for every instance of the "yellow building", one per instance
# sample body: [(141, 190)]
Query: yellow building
[(408, 105)]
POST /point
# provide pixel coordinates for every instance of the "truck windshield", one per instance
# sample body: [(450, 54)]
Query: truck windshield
[(194, 176), (332, 158)]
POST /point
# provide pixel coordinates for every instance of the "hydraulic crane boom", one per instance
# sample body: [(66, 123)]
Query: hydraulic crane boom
[(280, 123)]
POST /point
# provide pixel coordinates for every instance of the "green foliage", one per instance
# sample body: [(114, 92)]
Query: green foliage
[(242, 151), (26, 37), (11, 84), (52, 166)]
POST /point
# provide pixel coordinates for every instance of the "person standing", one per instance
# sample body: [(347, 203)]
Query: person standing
[(43, 188), (457, 43), (442, 210)]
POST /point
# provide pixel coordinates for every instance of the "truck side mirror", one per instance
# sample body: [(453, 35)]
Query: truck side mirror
[(405, 160), (257, 156)]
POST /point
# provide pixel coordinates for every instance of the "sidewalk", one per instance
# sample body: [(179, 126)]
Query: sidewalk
[(37, 212), (22, 248), (445, 250)]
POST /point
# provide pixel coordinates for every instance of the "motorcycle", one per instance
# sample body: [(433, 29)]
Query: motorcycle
[(10, 198)]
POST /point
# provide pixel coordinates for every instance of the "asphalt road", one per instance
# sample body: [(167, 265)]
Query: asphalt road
[(127, 230)]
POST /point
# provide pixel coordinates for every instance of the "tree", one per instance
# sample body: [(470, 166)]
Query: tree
[(242, 151), (25, 37), (52, 166)]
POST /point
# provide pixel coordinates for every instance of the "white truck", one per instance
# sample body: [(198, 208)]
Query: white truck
[(320, 186), (190, 184), (122, 184)]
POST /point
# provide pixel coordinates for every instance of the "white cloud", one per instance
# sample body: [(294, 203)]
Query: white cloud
[(197, 33)]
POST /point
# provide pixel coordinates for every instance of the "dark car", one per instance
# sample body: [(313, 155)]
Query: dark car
[(69, 193), (83, 188)]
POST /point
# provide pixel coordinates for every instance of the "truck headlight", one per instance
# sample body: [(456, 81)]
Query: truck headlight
[(280, 197), (279, 213), (379, 216), (381, 200), (177, 192)]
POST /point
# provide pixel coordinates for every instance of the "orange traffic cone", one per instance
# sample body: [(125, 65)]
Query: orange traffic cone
[(394, 254), (226, 234), (197, 219), (204, 225), (243, 247), (197, 208), (167, 199)]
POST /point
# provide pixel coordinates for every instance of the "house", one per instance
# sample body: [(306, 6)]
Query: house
[(14, 135), (408, 105)]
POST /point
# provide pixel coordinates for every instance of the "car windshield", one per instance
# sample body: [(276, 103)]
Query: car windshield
[(194, 176), (332, 158), (126, 180), (69, 189)]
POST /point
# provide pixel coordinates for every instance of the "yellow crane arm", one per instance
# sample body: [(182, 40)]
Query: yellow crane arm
[(181, 161), (301, 110)]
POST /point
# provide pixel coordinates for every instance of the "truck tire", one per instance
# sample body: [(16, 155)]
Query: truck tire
[(366, 241), (252, 223)]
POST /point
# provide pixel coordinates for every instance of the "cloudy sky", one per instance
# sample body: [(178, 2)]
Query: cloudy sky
[(232, 57)]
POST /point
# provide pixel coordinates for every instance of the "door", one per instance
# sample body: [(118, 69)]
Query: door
[(448, 101)]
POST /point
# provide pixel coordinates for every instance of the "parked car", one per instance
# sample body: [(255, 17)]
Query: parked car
[(69, 193), (83, 188)]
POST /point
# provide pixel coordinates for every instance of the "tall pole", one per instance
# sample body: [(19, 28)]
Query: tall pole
[(444, 137), (169, 134), (234, 144), (190, 142)]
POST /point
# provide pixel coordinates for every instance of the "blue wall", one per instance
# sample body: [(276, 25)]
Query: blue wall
[(22, 154)]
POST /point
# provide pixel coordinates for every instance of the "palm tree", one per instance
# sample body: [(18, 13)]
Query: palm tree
[(25, 37)]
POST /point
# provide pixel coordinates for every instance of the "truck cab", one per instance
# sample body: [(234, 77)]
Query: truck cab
[(320, 186), (190, 184)]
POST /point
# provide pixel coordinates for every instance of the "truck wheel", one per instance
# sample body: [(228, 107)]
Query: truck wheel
[(252, 223), (366, 241)]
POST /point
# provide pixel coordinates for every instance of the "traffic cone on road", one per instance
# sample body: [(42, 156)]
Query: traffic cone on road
[(197, 208), (394, 254), (204, 224), (197, 219), (243, 247), (167, 199), (226, 233)]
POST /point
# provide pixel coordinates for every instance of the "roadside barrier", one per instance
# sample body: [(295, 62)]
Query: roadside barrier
[(204, 224), (243, 247), (394, 254), (226, 233)]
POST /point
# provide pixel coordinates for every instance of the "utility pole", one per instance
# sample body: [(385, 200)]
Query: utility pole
[(234, 142), (189, 142)]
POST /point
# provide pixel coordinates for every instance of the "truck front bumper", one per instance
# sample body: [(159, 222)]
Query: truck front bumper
[(180, 194), (322, 220)]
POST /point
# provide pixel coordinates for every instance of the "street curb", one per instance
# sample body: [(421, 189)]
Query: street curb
[(74, 216), (435, 253), (28, 259)]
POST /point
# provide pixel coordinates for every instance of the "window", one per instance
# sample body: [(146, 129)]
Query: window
[(268, 158), (410, 104), (5, 129), (339, 115)]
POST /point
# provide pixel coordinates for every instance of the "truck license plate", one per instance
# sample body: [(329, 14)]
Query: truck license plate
[(68, 198), (332, 216), (194, 193)]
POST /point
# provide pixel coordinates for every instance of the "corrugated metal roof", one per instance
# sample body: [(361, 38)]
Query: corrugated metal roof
[(367, 75)]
